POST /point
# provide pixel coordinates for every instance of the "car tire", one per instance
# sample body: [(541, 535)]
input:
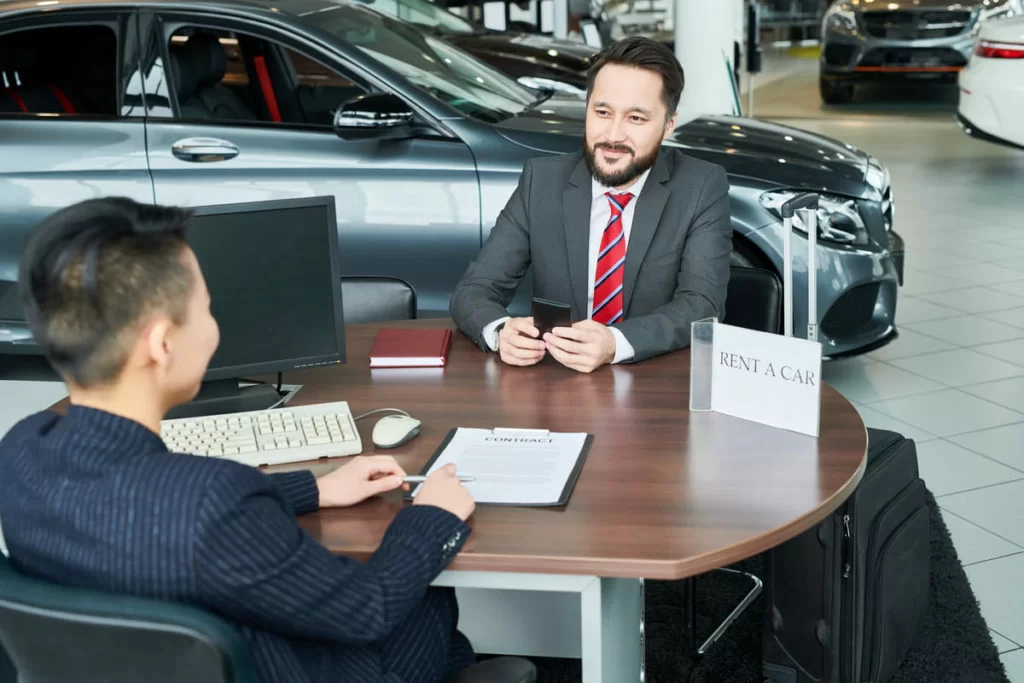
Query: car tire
[(835, 92)]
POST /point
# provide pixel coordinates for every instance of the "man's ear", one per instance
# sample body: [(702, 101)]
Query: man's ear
[(159, 336), (670, 126)]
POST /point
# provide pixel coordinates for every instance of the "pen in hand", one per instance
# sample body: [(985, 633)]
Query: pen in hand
[(419, 479)]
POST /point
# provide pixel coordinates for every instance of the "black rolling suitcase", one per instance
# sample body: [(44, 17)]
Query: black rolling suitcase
[(846, 598)]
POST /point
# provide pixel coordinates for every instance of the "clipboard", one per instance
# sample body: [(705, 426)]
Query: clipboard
[(570, 482)]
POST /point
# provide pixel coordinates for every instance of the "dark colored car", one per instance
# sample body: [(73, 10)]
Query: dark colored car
[(928, 40), (535, 60), (197, 102)]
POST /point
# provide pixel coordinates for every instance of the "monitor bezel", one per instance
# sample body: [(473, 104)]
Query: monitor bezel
[(300, 362)]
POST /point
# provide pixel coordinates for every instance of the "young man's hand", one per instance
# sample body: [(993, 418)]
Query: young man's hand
[(360, 478), (444, 490)]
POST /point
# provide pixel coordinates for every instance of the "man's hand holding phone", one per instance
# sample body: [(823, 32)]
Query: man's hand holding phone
[(519, 342)]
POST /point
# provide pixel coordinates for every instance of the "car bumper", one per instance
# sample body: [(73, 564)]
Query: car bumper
[(992, 99), (852, 56), (857, 292)]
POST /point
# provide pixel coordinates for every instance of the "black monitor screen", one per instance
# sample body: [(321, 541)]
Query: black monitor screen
[(272, 271)]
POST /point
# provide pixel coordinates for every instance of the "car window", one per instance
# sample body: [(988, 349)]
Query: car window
[(59, 71), (423, 13), (439, 68), (231, 76)]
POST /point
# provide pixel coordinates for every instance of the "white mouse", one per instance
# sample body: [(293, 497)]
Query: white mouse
[(394, 430)]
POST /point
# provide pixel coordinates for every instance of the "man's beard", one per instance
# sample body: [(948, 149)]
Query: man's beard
[(634, 170)]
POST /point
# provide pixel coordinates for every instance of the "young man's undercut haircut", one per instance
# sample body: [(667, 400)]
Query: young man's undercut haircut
[(90, 275), (643, 53)]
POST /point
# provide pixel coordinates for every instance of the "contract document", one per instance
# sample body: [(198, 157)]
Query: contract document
[(521, 467)]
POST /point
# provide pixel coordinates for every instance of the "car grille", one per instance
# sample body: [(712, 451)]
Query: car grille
[(851, 312), (839, 55), (917, 25), (912, 57)]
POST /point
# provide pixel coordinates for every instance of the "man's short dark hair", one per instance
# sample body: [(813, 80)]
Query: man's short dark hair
[(644, 53), (91, 272)]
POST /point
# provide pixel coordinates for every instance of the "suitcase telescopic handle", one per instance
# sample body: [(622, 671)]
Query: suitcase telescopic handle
[(808, 204)]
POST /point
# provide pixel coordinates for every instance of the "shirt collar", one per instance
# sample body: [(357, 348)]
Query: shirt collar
[(598, 190)]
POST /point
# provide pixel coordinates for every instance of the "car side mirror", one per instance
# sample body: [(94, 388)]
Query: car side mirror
[(373, 115)]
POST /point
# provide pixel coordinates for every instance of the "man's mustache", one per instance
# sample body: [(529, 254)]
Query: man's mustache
[(614, 148)]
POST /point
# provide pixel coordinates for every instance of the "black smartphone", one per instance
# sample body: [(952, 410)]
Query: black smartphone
[(548, 314)]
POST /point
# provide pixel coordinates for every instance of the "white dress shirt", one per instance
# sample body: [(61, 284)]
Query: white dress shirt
[(600, 213)]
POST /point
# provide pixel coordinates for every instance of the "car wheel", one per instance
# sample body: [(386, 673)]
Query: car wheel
[(833, 92)]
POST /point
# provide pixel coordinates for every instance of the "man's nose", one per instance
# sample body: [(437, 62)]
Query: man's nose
[(617, 131)]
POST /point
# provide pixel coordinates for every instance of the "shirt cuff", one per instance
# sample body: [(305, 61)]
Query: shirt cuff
[(490, 333), (299, 489), (623, 349)]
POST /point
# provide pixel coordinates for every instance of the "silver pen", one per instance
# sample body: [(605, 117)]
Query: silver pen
[(419, 479)]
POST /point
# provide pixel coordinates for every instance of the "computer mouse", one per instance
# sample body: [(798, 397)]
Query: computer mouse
[(394, 430)]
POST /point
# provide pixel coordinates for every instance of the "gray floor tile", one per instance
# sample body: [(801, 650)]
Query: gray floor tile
[(974, 299), (1005, 444), (1004, 645), (984, 274), (1013, 317), (998, 509), (917, 282), (871, 382), (879, 420), (949, 412), (910, 343), (1016, 287), (958, 367), (996, 584), (1010, 351), (1007, 392), (1013, 662), (948, 468), (974, 544), (911, 309), (967, 330)]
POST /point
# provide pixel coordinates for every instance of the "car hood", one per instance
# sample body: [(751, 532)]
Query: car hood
[(891, 5), (560, 54), (774, 154)]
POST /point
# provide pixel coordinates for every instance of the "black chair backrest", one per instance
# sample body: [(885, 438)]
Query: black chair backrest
[(754, 300), (59, 634), (377, 299)]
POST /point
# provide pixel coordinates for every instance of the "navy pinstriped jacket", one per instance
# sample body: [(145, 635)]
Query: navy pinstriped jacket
[(96, 500)]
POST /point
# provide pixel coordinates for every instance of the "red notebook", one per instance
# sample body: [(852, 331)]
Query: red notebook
[(410, 348)]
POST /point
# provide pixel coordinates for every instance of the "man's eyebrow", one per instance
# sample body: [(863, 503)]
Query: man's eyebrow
[(638, 110)]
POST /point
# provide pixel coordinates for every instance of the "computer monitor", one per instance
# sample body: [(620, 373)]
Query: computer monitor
[(273, 272)]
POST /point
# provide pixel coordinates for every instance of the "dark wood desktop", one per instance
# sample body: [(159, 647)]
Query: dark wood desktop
[(664, 494)]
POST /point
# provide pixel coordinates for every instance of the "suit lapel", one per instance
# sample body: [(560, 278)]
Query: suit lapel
[(576, 219), (650, 205)]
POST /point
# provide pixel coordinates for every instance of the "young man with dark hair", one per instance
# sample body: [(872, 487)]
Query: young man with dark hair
[(116, 298), (636, 238)]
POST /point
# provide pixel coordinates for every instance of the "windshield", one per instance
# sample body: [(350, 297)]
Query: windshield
[(423, 13), (441, 69)]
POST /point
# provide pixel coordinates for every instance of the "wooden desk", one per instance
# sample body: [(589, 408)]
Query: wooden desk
[(664, 494)]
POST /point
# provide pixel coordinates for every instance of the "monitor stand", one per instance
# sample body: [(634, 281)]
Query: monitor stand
[(225, 396)]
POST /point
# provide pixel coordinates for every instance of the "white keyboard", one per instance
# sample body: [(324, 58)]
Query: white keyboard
[(268, 437)]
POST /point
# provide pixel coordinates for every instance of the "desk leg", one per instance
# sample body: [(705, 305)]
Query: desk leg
[(611, 615)]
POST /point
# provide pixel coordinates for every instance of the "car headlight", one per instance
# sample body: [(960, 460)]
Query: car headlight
[(541, 83), (841, 16), (839, 221)]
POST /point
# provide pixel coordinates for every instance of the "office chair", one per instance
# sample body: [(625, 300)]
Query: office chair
[(753, 301), (377, 299), (60, 634)]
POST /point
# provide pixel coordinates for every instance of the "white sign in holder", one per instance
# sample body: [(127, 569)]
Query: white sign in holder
[(758, 375)]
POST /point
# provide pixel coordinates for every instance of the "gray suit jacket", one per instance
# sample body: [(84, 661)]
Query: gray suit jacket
[(677, 258)]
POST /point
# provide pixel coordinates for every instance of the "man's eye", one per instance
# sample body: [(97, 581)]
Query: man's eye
[(638, 119)]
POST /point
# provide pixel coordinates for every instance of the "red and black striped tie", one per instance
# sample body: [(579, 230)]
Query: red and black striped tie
[(611, 259)]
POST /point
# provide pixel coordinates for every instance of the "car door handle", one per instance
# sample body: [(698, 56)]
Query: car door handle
[(204, 150)]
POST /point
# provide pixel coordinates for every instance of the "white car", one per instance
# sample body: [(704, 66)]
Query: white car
[(992, 85)]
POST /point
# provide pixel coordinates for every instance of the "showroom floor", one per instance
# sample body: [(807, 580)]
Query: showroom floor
[(954, 380)]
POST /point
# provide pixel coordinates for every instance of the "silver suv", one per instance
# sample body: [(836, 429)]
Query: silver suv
[(872, 40)]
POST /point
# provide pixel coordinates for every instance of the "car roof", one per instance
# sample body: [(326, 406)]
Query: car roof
[(294, 8)]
